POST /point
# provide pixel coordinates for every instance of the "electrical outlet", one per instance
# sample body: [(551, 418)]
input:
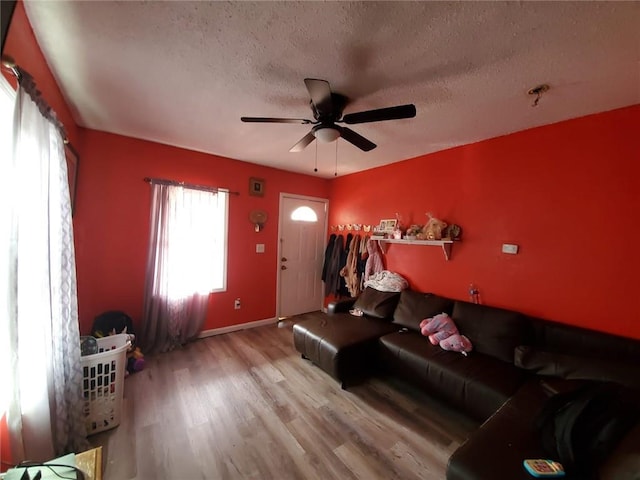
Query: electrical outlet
[(236, 304)]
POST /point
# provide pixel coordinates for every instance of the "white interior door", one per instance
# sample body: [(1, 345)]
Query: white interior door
[(303, 223)]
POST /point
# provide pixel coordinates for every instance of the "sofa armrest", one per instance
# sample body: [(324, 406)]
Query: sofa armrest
[(624, 462), (340, 306)]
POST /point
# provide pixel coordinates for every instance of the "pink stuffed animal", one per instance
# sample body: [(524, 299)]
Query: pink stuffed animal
[(438, 328), (442, 331), (457, 343)]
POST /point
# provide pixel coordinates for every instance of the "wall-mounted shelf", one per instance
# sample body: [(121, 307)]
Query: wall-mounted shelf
[(445, 244)]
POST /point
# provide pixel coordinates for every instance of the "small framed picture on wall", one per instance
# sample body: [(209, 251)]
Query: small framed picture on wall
[(256, 187)]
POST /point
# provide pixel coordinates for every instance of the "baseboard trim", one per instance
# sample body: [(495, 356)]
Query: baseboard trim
[(235, 328)]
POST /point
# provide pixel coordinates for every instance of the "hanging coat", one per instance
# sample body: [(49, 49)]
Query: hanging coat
[(327, 256), (374, 262), (350, 270), (342, 286), (362, 257), (332, 282)]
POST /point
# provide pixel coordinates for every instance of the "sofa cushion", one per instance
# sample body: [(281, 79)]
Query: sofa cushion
[(493, 331), (413, 307), (478, 384), (376, 304), (556, 337), (576, 367)]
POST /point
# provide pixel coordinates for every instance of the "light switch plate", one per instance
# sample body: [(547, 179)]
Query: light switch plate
[(259, 247), (509, 248)]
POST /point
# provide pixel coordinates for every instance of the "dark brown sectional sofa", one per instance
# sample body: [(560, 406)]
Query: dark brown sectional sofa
[(503, 382)]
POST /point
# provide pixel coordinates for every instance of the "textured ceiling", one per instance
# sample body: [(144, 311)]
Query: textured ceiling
[(183, 73)]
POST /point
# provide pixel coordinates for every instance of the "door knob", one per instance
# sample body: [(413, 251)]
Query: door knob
[(283, 259), (283, 267)]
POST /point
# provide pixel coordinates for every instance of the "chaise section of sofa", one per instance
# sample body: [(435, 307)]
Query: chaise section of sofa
[(343, 345)]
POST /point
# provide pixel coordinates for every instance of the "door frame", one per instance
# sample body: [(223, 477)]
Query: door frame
[(295, 196)]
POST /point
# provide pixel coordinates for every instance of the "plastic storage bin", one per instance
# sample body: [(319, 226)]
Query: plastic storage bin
[(103, 383)]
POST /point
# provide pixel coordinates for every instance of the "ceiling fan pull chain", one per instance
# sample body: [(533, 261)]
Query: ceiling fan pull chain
[(335, 173), (315, 169)]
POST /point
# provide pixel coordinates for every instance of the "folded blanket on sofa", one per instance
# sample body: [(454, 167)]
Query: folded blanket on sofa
[(386, 281)]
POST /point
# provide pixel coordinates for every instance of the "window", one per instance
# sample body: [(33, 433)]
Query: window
[(196, 242), (304, 214)]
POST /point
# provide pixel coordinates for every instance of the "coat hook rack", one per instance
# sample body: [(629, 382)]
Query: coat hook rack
[(351, 227)]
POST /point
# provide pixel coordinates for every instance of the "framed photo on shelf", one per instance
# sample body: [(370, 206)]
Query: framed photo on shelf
[(256, 187), (388, 226)]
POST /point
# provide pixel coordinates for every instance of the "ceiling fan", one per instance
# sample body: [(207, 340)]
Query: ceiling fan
[(327, 111)]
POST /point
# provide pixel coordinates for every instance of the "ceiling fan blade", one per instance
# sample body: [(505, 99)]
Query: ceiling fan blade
[(381, 114), (320, 93), (304, 141), (274, 120), (356, 139)]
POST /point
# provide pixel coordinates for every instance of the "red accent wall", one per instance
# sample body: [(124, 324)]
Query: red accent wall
[(111, 225), (5, 450), (568, 194)]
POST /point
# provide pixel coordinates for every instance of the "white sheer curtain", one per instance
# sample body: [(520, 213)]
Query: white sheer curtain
[(182, 265), (38, 287)]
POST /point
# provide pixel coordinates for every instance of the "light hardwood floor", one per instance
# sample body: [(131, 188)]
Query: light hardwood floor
[(246, 405)]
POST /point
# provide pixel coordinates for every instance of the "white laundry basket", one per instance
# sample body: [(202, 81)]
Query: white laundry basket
[(103, 383)]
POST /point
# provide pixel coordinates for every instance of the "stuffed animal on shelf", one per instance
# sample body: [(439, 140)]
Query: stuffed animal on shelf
[(433, 229), (441, 330), (452, 232)]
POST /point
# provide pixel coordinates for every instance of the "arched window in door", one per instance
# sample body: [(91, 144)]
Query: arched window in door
[(304, 214)]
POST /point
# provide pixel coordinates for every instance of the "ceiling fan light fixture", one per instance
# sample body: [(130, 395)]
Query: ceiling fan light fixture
[(326, 107), (327, 134)]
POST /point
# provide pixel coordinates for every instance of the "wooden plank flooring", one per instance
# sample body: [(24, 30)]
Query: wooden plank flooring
[(245, 405)]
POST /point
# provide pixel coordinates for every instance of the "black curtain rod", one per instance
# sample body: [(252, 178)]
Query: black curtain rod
[(26, 81), (206, 188)]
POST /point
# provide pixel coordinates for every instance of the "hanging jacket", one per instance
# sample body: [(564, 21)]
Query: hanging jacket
[(374, 262), (331, 284), (362, 257), (327, 256), (350, 270), (342, 285)]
